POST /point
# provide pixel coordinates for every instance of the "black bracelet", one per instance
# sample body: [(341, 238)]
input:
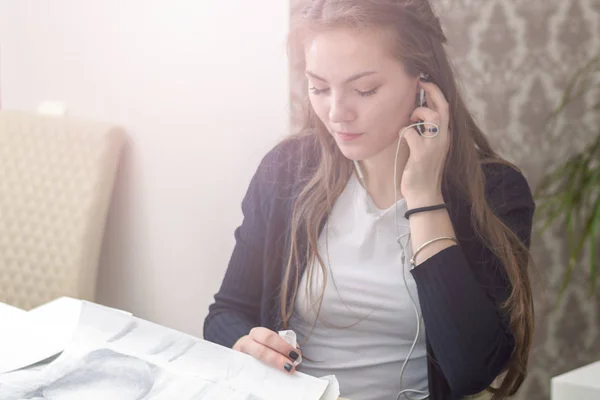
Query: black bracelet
[(423, 209)]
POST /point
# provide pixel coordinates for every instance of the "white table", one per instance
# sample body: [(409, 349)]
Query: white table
[(580, 384)]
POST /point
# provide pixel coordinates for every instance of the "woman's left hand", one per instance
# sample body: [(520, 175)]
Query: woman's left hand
[(422, 177)]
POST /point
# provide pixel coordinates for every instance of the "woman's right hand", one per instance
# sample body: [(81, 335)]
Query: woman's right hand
[(268, 347)]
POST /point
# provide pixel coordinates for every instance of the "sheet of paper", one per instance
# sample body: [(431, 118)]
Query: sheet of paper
[(23, 343), (29, 337), (333, 389), (8, 313), (113, 350)]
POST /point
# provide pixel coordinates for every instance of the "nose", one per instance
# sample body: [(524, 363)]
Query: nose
[(340, 112)]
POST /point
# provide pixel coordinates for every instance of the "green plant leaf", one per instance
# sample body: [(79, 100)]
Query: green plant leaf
[(593, 240), (570, 233), (593, 65), (569, 194)]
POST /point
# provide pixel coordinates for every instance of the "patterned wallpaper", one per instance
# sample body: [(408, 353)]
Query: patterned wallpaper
[(514, 58)]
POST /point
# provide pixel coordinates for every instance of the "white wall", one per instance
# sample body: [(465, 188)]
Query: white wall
[(201, 87)]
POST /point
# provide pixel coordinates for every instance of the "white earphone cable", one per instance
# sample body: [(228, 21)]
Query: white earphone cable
[(405, 392), (424, 394)]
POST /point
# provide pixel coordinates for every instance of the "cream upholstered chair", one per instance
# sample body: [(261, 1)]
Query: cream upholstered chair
[(56, 179)]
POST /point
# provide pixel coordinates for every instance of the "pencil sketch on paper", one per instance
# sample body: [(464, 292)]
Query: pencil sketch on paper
[(120, 357), (128, 360), (106, 374)]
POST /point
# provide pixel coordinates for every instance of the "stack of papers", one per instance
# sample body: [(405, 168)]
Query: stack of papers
[(30, 337), (109, 354)]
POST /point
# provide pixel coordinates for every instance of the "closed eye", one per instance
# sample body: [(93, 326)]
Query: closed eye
[(367, 93), (317, 92)]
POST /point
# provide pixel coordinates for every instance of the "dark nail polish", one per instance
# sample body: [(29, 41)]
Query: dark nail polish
[(293, 355), (288, 367)]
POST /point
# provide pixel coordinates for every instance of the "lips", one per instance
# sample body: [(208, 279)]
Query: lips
[(347, 136)]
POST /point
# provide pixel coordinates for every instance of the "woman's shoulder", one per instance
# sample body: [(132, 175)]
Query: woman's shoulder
[(291, 159), (506, 185), (296, 148), (289, 163), (506, 192)]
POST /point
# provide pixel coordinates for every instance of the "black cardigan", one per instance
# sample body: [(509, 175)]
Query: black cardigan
[(460, 288)]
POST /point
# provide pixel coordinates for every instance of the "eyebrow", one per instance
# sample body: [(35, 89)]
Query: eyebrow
[(350, 79)]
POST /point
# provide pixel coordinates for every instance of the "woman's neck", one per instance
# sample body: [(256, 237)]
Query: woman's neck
[(378, 175)]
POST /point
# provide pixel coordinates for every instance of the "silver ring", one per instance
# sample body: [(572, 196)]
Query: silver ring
[(432, 132)]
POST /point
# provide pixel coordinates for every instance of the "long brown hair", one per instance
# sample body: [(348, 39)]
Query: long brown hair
[(419, 44)]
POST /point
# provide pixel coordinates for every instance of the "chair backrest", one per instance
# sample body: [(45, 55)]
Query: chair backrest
[(56, 180)]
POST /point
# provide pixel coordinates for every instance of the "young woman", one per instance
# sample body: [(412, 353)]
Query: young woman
[(387, 234)]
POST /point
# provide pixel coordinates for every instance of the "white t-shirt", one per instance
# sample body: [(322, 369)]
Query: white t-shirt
[(367, 323)]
